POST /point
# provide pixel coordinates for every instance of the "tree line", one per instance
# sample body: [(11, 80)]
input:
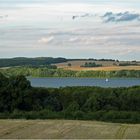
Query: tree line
[(22, 61), (91, 64), (18, 99), (52, 71)]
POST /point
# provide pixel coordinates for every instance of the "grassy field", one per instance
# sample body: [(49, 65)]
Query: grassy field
[(109, 68), (54, 129), (106, 66)]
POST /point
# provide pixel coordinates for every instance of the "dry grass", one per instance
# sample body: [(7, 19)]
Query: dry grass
[(80, 62), (107, 66), (54, 129)]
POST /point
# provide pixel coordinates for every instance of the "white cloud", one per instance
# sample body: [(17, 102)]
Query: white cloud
[(73, 39), (120, 17), (35, 25), (46, 40)]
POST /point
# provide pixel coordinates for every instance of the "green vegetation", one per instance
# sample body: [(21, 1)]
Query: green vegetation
[(69, 64), (129, 64), (43, 61), (47, 72), (39, 61), (43, 66), (21, 61), (91, 64), (112, 60), (19, 100)]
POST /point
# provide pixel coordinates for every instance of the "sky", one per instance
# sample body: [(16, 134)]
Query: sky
[(70, 28)]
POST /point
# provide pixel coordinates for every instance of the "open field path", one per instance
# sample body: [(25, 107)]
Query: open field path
[(121, 132)]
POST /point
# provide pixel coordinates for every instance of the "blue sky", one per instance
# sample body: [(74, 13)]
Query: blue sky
[(70, 28)]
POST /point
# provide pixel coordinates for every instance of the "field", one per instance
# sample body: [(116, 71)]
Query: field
[(106, 66), (21, 129)]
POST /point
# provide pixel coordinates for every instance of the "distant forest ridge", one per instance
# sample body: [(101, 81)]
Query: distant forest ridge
[(38, 61), (22, 61)]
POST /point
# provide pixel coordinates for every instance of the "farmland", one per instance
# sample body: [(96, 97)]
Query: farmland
[(70, 64), (109, 68), (106, 66), (66, 129)]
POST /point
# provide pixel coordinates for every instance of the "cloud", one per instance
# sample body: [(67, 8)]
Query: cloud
[(73, 39), (112, 17), (82, 16), (86, 40), (46, 40), (3, 16), (120, 17)]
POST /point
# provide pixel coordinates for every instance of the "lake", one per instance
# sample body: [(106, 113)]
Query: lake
[(101, 82)]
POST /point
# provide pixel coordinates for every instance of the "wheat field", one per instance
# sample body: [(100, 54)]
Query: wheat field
[(107, 66), (66, 129)]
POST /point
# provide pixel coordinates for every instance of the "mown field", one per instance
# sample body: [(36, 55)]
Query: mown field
[(106, 66), (109, 68), (63, 129)]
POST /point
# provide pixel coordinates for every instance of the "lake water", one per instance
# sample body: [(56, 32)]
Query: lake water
[(63, 82)]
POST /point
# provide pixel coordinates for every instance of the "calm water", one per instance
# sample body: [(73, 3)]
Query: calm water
[(63, 82)]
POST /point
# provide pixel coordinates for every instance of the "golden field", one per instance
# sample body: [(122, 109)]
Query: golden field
[(107, 66), (64, 129)]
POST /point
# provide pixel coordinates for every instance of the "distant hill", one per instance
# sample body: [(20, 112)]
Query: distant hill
[(38, 61), (43, 61), (22, 61)]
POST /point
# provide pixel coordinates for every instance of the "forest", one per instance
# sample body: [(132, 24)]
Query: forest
[(23, 61), (19, 100), (53, 71)]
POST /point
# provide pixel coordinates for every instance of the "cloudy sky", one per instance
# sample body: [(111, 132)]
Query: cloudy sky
[(70, 28)]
